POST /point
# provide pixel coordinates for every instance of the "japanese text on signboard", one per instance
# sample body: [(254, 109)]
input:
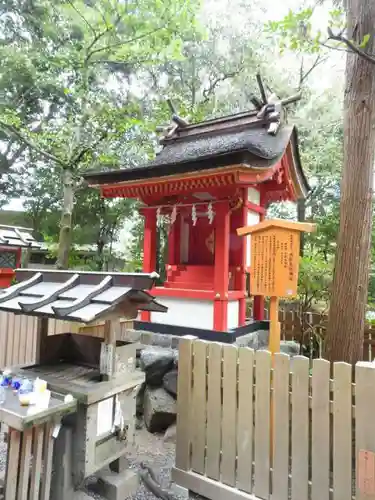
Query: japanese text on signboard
[(274, 262)]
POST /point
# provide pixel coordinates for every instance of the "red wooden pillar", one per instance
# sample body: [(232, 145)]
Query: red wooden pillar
[(174, 242), (244, 250), (221, 274), (149, 249), (258, 309)]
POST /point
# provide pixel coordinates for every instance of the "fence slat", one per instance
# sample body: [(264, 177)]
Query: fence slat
[(364, 430), (199, 398), (185, 359), (320, 439), (37, 462), (13, 457), (280, 477), (342, 431), (214, 411), (24, 466), (300, 428), (4, 319), (245, 419), (9, 359), (262, 424), (228, 445)]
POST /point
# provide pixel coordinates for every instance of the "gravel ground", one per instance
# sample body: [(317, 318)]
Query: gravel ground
[(148, 448)]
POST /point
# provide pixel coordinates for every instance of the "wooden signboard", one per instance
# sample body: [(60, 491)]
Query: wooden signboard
[(275, 246), (274, 262)]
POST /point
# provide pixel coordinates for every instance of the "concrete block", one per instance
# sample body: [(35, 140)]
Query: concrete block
[(113, 486)]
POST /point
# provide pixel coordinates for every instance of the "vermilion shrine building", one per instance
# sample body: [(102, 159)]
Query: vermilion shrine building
[(12, 240), (209, 179)]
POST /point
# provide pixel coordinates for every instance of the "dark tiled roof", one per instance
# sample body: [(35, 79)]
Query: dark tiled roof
[(18, 237), (208, 145), (254, 140), (79, 296)]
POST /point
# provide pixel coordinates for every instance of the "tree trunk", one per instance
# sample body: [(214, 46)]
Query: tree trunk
[(65, 236), (100, 255), (350, 284)]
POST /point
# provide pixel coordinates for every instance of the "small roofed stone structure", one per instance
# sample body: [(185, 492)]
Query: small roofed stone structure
[(208, 180), (12, 240), (79, 296), (100, 375)]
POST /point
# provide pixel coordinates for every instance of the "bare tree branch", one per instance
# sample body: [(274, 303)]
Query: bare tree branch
[(304, 76), (70, 2), (16, 133), (354, 48), (124, 42), (215, 82)]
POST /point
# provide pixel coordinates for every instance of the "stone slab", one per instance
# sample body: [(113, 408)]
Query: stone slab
[(113, 486)]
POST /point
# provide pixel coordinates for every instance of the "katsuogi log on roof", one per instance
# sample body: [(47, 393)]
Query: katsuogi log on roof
[(80, 296)]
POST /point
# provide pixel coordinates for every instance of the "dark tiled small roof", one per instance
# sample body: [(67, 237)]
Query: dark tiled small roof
[(79, 296), (19, 237), (237, 139)]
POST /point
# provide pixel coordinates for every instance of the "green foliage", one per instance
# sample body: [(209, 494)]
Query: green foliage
[(314, 281), (69, 85)]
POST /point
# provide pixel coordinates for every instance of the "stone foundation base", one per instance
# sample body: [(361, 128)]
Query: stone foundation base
[(117, 486)]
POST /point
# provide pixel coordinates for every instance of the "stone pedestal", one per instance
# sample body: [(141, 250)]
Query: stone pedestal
[(116, 482), (117, 486)]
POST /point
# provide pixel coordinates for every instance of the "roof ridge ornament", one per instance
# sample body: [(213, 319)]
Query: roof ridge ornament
[(269, 111)]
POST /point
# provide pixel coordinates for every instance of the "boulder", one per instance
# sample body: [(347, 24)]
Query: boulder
[(139, 400), (170, 434), (156, 362), (159, 409), (255, 340), (259, 342), (290, 347), (170, 382)]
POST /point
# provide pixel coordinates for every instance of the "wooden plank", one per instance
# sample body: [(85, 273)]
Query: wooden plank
[(245, 419), (47, 459), (320, 430), (300, 428), (364, 431), (41, 336), (208, 488), (4, 317), (36, 470), (199, 401), (342, 431), (13, 456), (214, 411), (18, 340), (229, 421), (280, 421), (24, 466), (10, 341), (184, 386), (262, 424)]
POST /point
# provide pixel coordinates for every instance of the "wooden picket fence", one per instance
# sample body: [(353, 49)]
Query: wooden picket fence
[(250, 427), (293, 324), (18, 333)]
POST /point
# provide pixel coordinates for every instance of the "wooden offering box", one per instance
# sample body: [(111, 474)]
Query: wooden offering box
[(100, 374), (71, 365)]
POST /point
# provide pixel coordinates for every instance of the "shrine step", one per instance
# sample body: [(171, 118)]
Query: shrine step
[(181, 285)]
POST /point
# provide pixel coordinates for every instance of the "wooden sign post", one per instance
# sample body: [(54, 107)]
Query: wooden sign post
[(275, 246)]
